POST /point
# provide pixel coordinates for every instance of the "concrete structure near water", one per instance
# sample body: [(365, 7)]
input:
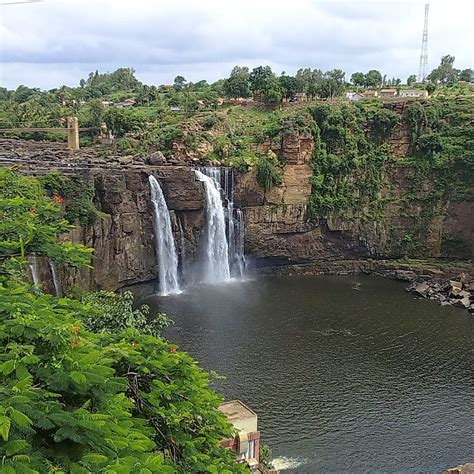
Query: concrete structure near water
[(247, 442)]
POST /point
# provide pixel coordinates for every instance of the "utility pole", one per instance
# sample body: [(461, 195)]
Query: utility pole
[(73, 133), (424, 48)]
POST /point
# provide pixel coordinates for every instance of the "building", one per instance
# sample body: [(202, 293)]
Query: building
[(352, 96), (125, 103), (415, 93), (384, 93), (247, 442), (370, 94)]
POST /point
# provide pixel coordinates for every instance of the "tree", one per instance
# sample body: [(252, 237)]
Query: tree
[(411, 79), (237, 85), (260, 78), (373, 78), (179, 83), (445, 72), (124, 79), (289, 86), (332, 84), (466, 75), (358, 79)]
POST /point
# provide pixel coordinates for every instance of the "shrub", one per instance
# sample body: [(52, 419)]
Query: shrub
[(114, 312), (269, 172)]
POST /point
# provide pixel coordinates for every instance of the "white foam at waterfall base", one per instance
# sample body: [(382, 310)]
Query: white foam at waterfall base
[(284, 463), (166, 255), (216, 265)]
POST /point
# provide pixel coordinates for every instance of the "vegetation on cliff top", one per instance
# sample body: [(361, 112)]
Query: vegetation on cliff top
[(109, 398)]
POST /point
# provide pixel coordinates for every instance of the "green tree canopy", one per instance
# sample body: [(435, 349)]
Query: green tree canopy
[(445, 73), (237, 85)]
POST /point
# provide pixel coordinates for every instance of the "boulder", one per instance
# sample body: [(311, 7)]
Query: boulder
[(421, 289), (464, 302), (156, 158), (404, 275)]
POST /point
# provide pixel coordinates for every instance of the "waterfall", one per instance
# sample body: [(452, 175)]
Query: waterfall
[(164, 241), (56, 282), (33, 265), (182, 249), (238, 264), (220, 182), (217, 258)]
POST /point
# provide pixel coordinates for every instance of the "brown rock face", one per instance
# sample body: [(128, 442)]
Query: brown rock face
[(123, 239), (278, 230)]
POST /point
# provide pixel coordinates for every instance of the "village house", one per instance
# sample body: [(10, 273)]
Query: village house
[(386, 93), (370, 94), (353, 96), (125, 103), (415, 93), (246, 443)]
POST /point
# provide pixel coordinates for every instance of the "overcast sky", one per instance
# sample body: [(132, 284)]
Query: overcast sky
[(59, 41)]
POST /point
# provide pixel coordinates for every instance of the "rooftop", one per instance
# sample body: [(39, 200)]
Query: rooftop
[(236, 410)]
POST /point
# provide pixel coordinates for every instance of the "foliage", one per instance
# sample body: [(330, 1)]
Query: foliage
[(30, 223), (348, 168), (78, 402), (381, 122), (269, 172), (411, 79), (263, 82), (445, 72), (237, 85), (122, 121), (112, 312), (76, 193), (266, 456)]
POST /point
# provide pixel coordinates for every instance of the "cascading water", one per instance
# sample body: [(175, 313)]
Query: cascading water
[(217, 257), (164, 242), (56, 282), (182, 249), (220, 181), (33, 265)]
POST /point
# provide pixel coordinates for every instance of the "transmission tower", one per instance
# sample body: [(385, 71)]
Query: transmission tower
[(424, 48)]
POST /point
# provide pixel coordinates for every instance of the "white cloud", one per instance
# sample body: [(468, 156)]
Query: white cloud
[(60, 41)]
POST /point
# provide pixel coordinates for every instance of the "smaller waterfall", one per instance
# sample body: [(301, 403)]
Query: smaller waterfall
[(33, 265), (182, 249), (238, 264), (164, 241), (217, 257), (56, 281)]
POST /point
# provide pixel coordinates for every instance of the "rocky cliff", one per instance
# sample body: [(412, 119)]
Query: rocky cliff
[(279, 229)]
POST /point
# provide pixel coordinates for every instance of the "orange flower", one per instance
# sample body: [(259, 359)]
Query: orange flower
[(73, 344), (75, 330), (33, 211), (58, 199), (172, 349)]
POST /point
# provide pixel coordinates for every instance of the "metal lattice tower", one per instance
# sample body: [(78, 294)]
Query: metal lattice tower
[(424, 48)]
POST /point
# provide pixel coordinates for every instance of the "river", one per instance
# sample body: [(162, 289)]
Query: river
[(346, 373)]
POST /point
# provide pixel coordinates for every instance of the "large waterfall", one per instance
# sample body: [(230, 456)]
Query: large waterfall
[(217, 257), (164, 241), (224, 226)]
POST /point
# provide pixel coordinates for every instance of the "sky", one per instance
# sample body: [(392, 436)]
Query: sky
[(54, 42)]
